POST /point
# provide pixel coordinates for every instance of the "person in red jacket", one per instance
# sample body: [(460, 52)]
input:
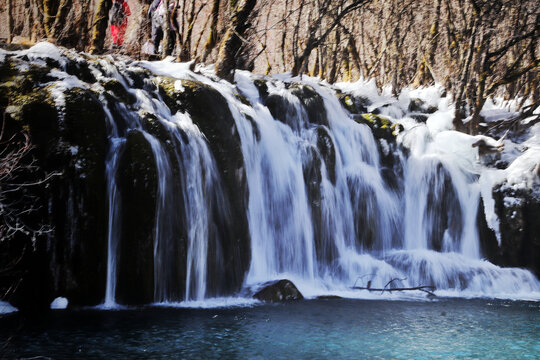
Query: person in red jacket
[(118, 19)]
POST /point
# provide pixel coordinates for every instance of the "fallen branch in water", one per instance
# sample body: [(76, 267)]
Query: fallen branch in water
[(423, 288)]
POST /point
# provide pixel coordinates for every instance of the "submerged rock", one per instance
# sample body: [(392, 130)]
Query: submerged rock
[(280, 290)]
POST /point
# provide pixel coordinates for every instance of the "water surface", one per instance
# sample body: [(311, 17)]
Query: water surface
[(314, 329)]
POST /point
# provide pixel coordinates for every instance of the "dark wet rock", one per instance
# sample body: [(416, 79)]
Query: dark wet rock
[(282, 110), (262, 87), (210, 112), (254, 126), (489, 246), (443, 211), (81, 70), (119, 92), (325, 248), (152, 125), (354, 104), (519, 213), (379, 125), (79, 199), (313, 103), (277, 291), (70, 142), (418, 105), (419, 117), (137, 180), (327, 150)]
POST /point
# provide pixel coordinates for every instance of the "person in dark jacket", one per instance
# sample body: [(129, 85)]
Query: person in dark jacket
[(158, 14), (118, 20)]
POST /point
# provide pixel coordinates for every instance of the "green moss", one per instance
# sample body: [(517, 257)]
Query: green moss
[(396, 129), (354, 105), (381, 126), (377, 121)]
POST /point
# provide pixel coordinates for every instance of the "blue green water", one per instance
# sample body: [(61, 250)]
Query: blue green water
[(315, 329)]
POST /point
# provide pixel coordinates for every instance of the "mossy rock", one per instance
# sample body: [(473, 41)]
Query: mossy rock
[(353, 104), (379, 125), (242, 99), (138, 182)]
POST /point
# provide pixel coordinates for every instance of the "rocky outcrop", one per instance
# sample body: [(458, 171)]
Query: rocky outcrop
[(518, 211), (210, 112), (277, 291), (68, 135)]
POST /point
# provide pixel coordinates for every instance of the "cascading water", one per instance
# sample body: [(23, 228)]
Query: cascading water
[(201, 193), (328, 204)]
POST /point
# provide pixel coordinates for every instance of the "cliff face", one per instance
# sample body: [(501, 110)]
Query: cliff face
[(157, 171)]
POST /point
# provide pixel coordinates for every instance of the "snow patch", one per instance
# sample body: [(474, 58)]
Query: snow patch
[(178, 86), (43, 50)]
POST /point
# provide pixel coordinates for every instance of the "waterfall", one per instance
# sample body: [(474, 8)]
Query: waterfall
[(320, 210), (327, 202), (202, 193)]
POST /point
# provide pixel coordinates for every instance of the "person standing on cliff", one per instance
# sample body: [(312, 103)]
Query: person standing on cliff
[(118, 20), (159, 15)]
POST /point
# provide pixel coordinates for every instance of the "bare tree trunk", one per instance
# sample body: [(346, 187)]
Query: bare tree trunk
[(10, 21), (212, 35), (166, 30), (460, 103), (232, 41), (60, 18), (424, 75), (99, 29), (49, 14), (334, 62)]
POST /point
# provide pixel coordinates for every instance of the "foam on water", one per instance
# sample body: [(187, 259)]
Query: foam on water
[(211, 303)]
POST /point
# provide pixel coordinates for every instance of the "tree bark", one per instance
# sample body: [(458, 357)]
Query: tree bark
[(99, 28), (232, 42), (212, 35), (10, 21)]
